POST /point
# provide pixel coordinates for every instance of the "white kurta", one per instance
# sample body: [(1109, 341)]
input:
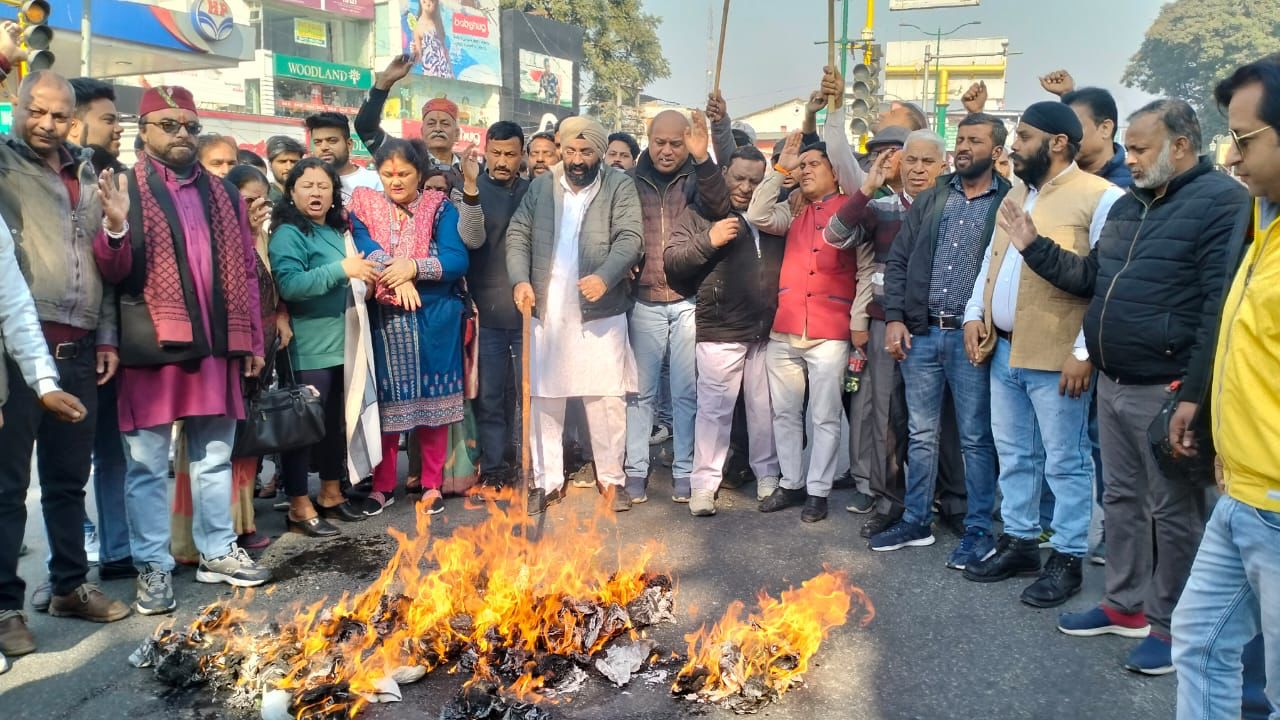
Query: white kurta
[(569, 357)]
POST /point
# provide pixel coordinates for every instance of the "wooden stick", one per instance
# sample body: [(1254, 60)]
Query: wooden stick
[(831, 46), (724, 23)]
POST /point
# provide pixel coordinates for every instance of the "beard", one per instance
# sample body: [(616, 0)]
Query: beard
[(1034, 168), (582, 174), (977, 168), (1160, 172)]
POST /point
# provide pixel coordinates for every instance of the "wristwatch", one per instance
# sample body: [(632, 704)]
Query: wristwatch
[(1081, 354)]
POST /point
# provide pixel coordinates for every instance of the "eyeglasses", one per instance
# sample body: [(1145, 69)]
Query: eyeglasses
[(1237, 138), (171, 127)]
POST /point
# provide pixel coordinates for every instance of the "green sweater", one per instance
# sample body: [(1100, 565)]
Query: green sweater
[(308, 270)]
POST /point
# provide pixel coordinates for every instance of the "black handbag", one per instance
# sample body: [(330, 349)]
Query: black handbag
[(289, 417), (1197, 471)]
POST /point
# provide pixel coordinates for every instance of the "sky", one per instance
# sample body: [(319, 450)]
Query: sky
[(1094, 39)]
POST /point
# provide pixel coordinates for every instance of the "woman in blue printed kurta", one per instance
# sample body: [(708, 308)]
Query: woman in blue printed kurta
[(416, 313)]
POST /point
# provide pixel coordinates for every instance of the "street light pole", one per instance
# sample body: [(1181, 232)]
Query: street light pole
[(940, 102), (86, 40)]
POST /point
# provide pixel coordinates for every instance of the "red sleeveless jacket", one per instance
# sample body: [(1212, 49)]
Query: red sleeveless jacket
[(818, 282)]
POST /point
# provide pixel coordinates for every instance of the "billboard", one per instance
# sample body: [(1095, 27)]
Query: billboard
[(928, 4), (456, 39), (546, 79)]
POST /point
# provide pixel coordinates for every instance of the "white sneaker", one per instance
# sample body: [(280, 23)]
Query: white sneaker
[(659, 434), (4, 664), (235, 568), (702, 503), (91, 546), (765, 487)]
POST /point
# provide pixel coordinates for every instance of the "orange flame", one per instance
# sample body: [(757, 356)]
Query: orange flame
[(774, 644), (485, 586)]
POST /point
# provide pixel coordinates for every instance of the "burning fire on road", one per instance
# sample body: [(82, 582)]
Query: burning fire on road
[(525, 620)]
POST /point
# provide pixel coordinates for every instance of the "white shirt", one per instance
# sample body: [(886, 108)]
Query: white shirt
[(569, 357), (20, 325), (1004, 296), (363, 177)]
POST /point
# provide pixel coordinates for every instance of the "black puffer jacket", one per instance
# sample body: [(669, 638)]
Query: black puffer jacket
[(736, 286), (1155, 278)]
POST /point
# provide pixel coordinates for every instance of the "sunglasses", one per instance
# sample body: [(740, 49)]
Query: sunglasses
[(171, 127)]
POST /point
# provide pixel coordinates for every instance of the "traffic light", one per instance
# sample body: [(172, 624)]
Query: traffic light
[(865, 106), (37, 36)]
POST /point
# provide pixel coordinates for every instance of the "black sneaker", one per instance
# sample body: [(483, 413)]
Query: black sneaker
[(1060, 580), (843, 481), (375, 503), (877, 524), (861, 503), (540, 500), (1013, 556), (117, 569), (619, 499), (815, 509), (782, 498)]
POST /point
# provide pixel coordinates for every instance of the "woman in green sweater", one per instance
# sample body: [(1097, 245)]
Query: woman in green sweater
[(313, 271)]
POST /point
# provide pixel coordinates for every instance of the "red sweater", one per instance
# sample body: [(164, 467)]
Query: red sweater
[(818, 282)]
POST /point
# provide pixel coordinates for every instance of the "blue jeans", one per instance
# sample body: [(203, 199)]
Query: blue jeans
[(934, 362), (1232, 595), (1022, 399), (497, 408), (108, 479), (146, 489), (1046, 493), (661, 330)]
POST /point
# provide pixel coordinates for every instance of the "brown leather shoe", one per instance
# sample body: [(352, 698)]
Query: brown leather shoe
[(15, 638), (89, 603)]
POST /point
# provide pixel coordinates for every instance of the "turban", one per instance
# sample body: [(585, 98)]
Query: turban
[(586, 129), (444, 105), (1054, 118), (166, 97)]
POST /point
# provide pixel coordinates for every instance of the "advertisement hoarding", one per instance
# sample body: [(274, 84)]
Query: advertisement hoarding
[(546, 79), (929, 4), (458, 39), (310, 32)]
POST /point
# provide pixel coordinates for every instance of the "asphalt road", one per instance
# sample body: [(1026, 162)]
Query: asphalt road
[(938, 647)]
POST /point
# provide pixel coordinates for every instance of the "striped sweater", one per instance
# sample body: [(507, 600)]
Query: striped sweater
[(862, 220)]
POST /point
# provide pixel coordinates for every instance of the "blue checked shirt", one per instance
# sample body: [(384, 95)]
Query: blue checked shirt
[(962, 242)]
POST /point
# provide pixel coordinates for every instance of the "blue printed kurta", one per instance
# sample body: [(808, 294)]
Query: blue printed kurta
[(418, 354)]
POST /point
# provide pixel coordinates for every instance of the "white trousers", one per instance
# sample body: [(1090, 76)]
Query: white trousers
[(607, 424), (724, 370), (823, 364)]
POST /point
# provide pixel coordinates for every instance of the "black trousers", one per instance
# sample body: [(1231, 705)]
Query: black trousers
[(63, 451), (330, 454)]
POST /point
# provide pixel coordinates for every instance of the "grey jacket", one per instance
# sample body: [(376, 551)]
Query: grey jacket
[(54, 241), (609, 244)]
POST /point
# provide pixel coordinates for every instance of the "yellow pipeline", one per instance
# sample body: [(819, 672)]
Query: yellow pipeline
[(943, 76)]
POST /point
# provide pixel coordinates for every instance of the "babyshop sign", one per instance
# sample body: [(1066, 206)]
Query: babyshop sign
[(325, 73)]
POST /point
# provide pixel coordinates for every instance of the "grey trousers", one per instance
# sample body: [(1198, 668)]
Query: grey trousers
[(878, 445), (1139, 498)]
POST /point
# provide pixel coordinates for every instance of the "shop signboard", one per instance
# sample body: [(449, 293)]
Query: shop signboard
[(310, 32), (327, 73), (458, 39)]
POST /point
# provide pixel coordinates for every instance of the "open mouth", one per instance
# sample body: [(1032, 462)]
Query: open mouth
[(315, 205)]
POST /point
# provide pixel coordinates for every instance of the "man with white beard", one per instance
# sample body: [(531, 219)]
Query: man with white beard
[(1155, 279)]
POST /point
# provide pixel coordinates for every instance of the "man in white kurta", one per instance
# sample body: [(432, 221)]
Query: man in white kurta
[(571, 244)]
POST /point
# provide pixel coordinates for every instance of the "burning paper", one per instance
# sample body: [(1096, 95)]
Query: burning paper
[(521, 617), (744, 664)]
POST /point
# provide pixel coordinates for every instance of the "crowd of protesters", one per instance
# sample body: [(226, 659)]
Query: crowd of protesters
[(1046, 340)]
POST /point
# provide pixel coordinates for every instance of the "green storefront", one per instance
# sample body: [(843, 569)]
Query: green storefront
[(306, 87)]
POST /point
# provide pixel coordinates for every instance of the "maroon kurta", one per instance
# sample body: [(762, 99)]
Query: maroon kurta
[(151, 396)]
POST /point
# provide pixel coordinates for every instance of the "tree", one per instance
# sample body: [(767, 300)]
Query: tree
[(623, 53), (1193, 44)]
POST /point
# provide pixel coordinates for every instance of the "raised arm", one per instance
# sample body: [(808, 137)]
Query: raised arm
[(368, 123), (848, 172), (721, 128)]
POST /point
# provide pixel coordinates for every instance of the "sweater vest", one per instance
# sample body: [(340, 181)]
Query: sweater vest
[(818, 282), (1047, 320)]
